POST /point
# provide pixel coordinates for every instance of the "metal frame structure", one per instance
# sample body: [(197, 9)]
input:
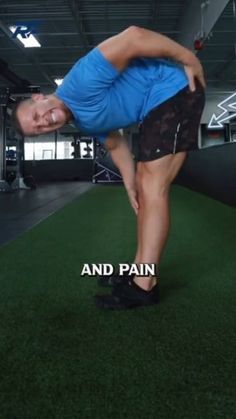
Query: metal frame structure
[(67, 29)]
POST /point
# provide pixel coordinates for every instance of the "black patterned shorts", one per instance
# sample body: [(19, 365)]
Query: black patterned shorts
[(172, 126)]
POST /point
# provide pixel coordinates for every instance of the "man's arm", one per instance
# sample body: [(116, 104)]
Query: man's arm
[(139, 42), (123, 159)]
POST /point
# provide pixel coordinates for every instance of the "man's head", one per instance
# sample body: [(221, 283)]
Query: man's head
[(40, 114)]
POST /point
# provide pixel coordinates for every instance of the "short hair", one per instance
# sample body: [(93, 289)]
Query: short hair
[(14, 115)]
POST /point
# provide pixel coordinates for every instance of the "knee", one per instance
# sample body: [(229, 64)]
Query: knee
[(152, 188)]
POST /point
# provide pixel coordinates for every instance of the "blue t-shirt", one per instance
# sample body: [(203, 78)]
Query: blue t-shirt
[(102, 99)]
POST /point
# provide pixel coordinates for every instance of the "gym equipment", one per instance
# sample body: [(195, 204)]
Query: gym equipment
[(10, 176), (76, 144), (83, 146), (30, 182), (11, 144), (104, 170)]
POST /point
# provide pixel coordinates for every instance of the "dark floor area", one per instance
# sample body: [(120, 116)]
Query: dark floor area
[(21, 210), (62, 358)]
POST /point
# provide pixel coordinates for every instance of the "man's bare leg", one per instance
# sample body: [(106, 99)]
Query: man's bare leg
[(154, 179)]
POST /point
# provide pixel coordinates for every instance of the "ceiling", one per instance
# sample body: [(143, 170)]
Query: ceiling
[(67, 29)]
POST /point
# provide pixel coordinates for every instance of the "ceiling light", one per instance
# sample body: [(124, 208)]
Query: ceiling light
[(29, 41), (58, 81)]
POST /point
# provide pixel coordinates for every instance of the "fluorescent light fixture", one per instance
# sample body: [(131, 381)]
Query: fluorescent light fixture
[(30, 41), (58, 81)]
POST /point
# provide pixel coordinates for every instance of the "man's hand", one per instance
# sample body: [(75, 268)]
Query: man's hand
[(133, 198), (194, 71)]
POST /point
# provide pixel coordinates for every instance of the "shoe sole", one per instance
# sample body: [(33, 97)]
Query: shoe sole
[(117, 305)]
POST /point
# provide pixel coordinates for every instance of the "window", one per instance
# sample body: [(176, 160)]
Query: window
[(64, 147)]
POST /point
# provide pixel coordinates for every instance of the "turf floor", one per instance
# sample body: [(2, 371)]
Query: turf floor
[(62, 358)]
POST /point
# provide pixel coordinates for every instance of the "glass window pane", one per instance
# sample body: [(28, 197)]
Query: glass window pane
[(29, 151), (44, 151), (65, 149)]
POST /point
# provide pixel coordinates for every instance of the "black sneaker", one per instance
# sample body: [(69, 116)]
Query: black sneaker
[(127, 295), (111, 280)]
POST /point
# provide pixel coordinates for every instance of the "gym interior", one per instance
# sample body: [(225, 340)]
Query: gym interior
[(63, 204)]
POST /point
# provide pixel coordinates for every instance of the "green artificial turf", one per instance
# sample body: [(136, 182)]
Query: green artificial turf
[(62, 358)]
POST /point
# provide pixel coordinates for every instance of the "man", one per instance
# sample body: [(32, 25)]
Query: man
[(126, 79)]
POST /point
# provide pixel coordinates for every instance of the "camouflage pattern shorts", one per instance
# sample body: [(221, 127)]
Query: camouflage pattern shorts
[(172, 126)]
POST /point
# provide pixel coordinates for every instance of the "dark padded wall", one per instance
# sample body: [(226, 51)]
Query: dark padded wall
[(48, 170), (211, 171)]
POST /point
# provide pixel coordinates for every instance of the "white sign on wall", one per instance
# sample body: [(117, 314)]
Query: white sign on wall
[(226, 106)]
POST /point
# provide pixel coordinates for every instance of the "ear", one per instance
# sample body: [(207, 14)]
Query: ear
[(37, 96)]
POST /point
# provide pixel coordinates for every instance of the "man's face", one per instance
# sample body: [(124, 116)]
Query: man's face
[(42, 114)]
